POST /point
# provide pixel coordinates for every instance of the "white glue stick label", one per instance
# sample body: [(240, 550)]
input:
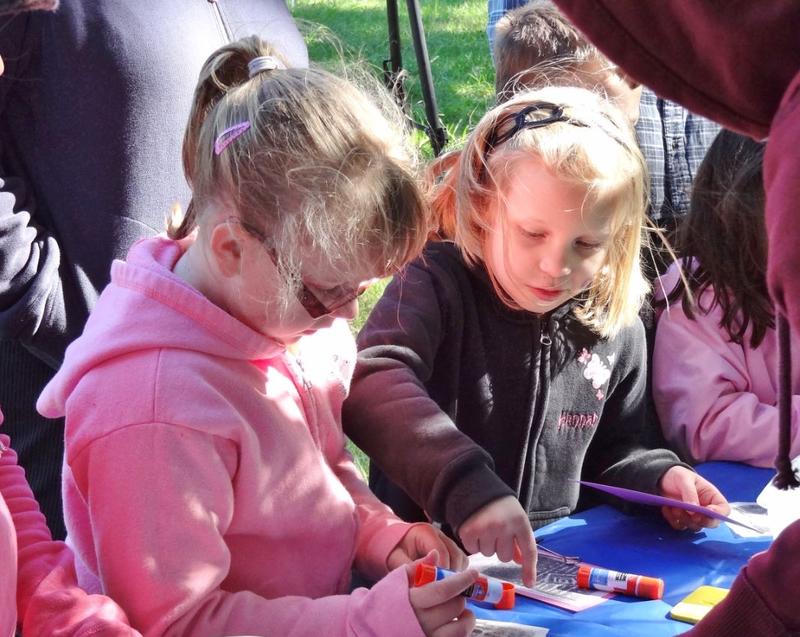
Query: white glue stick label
[(605, 580), (494, 590)]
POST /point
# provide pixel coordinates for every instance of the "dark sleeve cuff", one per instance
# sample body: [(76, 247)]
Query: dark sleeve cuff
[(645, 473), (468, 491)]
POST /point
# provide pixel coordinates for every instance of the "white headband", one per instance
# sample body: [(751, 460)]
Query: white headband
[(264, 63)]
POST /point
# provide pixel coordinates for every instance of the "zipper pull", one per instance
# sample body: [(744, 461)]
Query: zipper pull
[(544, 336)]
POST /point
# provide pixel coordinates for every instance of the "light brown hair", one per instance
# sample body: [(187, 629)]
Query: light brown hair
[(535, 45), (325, 165)]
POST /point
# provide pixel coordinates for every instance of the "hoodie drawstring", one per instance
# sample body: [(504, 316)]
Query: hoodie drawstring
[(786, 478)]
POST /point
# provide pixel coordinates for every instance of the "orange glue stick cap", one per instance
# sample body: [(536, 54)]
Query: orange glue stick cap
[(508, 598), (425, 574)]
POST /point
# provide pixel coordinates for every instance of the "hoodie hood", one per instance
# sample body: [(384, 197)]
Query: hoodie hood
[(730, 63), (170, 315)]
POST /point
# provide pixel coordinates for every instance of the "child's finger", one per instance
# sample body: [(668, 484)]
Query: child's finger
[(698, 521), (458, 561), (724, 508), (711, 497), (688, 491), (443, 554), (487, 544), (411, 567), (462, 626), (440, 591), (443, 613), (505, 548), (674, 517), (525, 554)]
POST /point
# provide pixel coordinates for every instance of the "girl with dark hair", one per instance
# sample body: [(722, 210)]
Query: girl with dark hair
[(714, 365)]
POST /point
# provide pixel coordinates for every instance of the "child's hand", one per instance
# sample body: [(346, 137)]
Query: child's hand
[(502, 527), (439, 606), (420, 540), (685, 485)]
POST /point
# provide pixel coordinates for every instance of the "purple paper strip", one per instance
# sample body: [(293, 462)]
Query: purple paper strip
[(658, 500)]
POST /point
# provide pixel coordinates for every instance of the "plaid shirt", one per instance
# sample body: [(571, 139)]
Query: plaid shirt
[(673, 142), (497, 9)]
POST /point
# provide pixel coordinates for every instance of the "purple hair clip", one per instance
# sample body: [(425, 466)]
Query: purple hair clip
[(229, 135)]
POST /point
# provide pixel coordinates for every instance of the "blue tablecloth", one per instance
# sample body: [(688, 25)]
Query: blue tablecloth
[(646, 545)]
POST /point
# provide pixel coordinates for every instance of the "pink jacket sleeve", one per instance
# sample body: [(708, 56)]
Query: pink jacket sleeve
[(703, 394), (380, 529), (173, 586), (49, 601)]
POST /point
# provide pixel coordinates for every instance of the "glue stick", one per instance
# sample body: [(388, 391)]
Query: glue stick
[(485, 589), (603, 579)]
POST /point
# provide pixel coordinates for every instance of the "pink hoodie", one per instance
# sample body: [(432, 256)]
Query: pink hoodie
[(37, 575), (207, 487), (718, 400), (8, 548)]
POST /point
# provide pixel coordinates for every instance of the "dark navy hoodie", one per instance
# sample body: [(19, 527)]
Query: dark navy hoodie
[(93, 106)]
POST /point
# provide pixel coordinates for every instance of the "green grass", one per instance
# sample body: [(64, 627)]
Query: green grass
[(355, 32)]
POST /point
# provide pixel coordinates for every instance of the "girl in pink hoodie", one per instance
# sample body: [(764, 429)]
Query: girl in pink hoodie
[(206, 482), (715, 372)]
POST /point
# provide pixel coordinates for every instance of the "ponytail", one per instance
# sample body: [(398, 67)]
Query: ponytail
[(307, 161), (225, 70)]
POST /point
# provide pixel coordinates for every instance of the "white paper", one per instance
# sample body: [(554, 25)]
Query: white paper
[(556, 582), (753, 515), (488, 628), (783, 507)]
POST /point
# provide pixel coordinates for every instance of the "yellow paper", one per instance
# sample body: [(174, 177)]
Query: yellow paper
[(696, 605)]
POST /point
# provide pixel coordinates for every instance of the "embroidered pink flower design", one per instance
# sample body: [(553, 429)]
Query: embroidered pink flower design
[(596, 370)]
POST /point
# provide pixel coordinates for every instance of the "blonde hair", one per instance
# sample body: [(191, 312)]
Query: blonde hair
[(535, 45), (325, 165), (600, 153)]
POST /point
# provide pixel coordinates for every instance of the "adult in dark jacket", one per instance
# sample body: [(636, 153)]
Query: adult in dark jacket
[(92, 108), (741, 67)]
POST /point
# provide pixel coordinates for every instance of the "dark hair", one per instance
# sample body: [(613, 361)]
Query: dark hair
[(722, 241)]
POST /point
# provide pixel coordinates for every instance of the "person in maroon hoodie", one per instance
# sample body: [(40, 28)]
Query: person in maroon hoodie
[(741, 67)]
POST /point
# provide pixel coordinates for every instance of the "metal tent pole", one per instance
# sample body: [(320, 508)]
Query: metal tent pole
[(393, 72)]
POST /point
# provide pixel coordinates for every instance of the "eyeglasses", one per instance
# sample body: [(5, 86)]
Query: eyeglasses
[(316, 302)]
